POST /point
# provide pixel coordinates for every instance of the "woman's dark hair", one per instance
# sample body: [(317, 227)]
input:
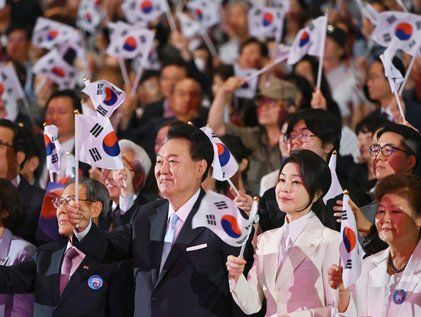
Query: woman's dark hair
[(224, 71), (408, 186), (371, 124), (314, 172), (10, 203), (252, 40)]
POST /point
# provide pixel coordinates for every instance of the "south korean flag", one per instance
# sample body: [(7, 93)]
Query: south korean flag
[(206, 12), (248, 89), (105, 96), (144, 10), (90, 15), (49, 34), (97, 143), (266, 22)]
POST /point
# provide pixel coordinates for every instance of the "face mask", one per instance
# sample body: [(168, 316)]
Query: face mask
[(200, 64)]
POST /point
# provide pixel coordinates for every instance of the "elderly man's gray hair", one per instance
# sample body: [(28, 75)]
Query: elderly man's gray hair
[(140, 154)]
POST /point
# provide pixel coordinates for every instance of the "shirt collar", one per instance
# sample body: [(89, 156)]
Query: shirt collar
[(67, 146), (70, 245), (184, 210), (294, 228), (16, 181)]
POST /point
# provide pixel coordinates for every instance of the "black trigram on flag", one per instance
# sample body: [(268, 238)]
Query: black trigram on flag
[(54, 158), (96, 130), (348, 264), (211, 220), (391, 19), (344, 215), (99, 89), (387, 37), (95, 154), (311, 26), (221, 204), (101, 110)]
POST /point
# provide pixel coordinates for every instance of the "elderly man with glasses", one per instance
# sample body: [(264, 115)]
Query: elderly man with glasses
[(65, 281)]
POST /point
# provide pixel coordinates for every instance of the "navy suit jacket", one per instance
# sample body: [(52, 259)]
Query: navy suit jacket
[(193, 281), (41, 275)]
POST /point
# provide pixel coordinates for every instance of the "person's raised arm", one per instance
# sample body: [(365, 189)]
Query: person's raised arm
[(216, 112)]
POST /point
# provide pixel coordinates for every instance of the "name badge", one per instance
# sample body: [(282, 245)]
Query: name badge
[(95, 282), (399, 296)]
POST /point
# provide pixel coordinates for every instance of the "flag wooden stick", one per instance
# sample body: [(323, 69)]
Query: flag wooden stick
[(233, 186), (320, 70), (41, 85), (124, 71), (408, 72), (336, 299), (209, 44), (51, 176), (267, 67), (253, 213), (76, 159), (402, 5), (137, 79), (170, 18), (398, 100)]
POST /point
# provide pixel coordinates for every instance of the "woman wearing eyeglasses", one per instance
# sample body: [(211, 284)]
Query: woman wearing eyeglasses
[(396, 151), (290, 265), (13, 250), (390, 281)]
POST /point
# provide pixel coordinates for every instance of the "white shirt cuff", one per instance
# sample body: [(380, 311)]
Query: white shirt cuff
[(125, 203)]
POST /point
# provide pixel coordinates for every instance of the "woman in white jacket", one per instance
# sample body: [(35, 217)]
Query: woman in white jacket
[(390, 281), (291, 263)]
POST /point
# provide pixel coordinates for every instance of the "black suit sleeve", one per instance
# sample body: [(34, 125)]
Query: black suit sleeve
[(372, 242), (18, 279), (121, 292), (107, 247)]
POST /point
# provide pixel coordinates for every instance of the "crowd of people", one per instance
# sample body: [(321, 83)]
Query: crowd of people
[(126, 243)]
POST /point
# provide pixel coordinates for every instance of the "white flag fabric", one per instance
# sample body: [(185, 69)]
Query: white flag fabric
[(248, 89), (52, 148), (130, 41), (393, 75), (70, 166), (97, 143), (309, 40), (2, 4), (206, 12), (368, 11), (219, 214), (266, 22), (406, 27), (144, 10), (189, 27), (281, 4), (349, 249), (89, 15), (56, 69), (105, 96), (335, 188), (49, 34), (9, 82), (224, 164)]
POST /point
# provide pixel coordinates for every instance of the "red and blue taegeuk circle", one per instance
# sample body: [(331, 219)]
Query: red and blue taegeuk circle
[(267, 19), (349, 238), (110, 97), (146, 6), (304, 39), (130, 44), (49, 145), (58, 71), (230, 225), (224, 154), (52, 34), (403, 31), (110, 144)]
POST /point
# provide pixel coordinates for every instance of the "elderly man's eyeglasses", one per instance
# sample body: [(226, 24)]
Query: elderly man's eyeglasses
[(58, 201), (302, 137), (387, 150)]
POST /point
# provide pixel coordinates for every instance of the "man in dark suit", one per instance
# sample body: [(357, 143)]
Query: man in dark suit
[(66, 282), (179, 271), (13, 145)]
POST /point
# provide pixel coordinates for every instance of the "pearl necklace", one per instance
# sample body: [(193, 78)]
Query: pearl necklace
[(392, 267)]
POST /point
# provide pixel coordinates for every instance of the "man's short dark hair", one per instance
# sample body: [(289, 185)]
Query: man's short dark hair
[(200, 146), (19, 135), (324, 124), (11, 203), (19, 27), (69, 93), (371, 124), (252, 40), (412, 138)]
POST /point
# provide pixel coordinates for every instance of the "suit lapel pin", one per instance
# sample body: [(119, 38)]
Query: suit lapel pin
[(86, 267), (95, 282)]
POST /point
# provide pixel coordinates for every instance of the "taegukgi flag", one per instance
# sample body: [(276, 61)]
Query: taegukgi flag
[(406, 27), (105, 96), (224, 164), (144, 10), (97, 143), (49, 34), (248, 89), (349, 248), (393, 75), (309, 40), (335, 188), (90, 15), (266, 22), (52, 148), (206, 12), (219, 214)]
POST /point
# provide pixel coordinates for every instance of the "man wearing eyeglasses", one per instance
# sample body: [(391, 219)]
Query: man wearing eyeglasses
[(13, 148), (65, 281)]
